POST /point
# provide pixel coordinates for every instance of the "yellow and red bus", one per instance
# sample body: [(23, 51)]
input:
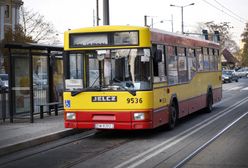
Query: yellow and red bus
[(128, 77)]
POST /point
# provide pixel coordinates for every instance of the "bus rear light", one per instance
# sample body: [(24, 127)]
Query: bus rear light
[(71, 116), (139, 116)]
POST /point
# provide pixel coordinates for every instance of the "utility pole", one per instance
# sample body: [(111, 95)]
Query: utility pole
[(97, 13), (172, 26), (182, 20), (145, 20), (106, 12), (94, 20)]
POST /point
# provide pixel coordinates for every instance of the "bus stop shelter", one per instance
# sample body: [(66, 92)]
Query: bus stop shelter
[(35, 77)]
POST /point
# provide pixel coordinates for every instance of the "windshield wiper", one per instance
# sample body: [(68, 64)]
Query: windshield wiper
[(91, 88), (129, 84), (76, 92), (132, 92)]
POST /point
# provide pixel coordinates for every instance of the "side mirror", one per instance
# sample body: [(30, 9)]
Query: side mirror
[(158, 56)]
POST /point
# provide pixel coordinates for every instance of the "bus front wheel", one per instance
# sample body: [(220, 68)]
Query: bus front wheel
[(172, 116)]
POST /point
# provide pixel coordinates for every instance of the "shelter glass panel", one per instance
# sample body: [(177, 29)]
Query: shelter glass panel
[(40, 81), (21, 83)]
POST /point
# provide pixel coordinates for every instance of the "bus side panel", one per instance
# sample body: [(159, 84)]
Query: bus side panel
[(160, 116), (217, 94), (183, 108), (197, 103), (160, 105)]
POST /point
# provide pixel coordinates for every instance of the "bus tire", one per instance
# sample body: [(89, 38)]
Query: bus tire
[(209, 107), (172, 116)]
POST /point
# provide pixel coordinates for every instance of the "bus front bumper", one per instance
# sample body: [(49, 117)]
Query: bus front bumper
[(111, 120)]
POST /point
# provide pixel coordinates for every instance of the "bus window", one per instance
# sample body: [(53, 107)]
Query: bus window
[(192, 66), (172, 65), (93, 72), (206, 59), (211, 59), (182, 65), (131, 67), (199, 57), (76, 68), (159, 65), (215, 53), (120, 69)]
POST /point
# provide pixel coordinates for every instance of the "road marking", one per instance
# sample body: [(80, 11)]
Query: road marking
[(142, 157), (246, 88), (236, 88)]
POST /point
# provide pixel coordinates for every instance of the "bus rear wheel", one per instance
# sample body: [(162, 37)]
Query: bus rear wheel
[(209, 107)]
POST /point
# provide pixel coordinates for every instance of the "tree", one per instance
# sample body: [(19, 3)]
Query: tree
[(16, 36), (34, 25), (224, 28), (32, 28), (244, 53)]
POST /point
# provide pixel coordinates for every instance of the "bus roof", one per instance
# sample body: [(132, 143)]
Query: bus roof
[(107, 28), (183, 36), (147, 35)]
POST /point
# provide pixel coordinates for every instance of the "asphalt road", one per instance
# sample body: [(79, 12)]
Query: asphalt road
[(230, 150), (216, 139)]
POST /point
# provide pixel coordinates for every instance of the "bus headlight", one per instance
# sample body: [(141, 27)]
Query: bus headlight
[(71, 116), (139, 116)]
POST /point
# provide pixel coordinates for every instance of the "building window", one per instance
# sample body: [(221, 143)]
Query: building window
[(6, 11)]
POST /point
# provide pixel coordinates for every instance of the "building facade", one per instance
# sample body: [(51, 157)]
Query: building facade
[(9, 15), (9, 18)]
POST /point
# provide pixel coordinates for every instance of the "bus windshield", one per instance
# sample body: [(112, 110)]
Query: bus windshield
[(116, 69)]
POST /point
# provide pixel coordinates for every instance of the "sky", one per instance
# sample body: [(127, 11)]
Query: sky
[(71, 14)]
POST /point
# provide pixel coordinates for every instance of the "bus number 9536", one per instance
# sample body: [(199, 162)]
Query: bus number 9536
[(134, 100)]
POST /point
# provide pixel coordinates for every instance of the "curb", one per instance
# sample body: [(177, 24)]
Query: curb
[(37, 141)]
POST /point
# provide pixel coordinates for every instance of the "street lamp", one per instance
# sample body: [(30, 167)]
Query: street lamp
[(182, 12), (163, 21)]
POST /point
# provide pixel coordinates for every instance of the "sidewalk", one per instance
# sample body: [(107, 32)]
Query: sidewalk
[(21, 134)]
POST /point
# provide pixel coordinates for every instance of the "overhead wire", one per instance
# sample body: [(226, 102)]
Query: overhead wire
[(234, 17), (230, 11)]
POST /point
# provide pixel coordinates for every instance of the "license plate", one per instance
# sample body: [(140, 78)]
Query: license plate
[(104, 126)]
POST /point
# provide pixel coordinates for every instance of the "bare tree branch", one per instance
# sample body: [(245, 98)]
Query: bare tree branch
[(35, 25)]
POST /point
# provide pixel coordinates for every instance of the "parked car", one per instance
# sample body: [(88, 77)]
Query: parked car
[(41, 83), (4, 82), (229, 76), (243, 72)]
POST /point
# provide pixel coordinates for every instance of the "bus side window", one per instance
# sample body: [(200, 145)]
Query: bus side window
[(172, 65), (215, 53), (199, 57), (155, 64), (192, 63), (182, 65), (206, 59), (211, 59), (159, 63)]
